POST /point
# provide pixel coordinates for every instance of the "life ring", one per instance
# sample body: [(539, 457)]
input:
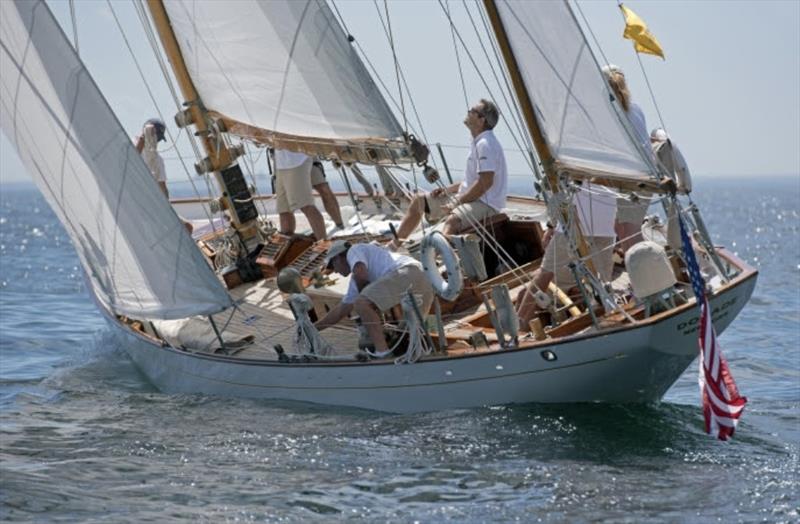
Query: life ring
[(437, 244)]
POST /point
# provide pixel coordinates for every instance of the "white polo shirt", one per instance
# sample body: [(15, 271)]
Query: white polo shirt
[(151, 157), (486, 154), (379, 261)]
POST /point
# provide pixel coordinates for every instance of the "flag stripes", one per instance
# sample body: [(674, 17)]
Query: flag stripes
[(722, 404)]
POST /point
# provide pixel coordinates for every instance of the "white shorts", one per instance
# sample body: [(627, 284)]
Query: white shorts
[(293, 187)]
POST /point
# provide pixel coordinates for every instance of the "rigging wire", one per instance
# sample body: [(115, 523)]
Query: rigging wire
[(402, 76), (458, 58), (514, 107), (386, 91), (74, 27), (152, 40), (477, 69), (396, 64), (153, 99), (646, 79)]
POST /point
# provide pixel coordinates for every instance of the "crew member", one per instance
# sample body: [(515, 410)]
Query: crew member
[(483, 192), (378, 281)]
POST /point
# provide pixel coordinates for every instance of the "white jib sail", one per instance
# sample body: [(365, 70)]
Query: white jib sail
[(138, 256), (582, 126), (283, 66)]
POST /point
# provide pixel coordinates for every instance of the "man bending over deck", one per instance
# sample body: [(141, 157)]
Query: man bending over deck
[(378, 281), (481, 195)]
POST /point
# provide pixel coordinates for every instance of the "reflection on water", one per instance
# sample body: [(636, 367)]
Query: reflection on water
[(86, 438)]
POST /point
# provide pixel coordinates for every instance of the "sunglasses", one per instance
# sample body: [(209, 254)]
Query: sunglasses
[(479, 113)]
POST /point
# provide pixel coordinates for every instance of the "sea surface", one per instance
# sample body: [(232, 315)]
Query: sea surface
[(85, 438)]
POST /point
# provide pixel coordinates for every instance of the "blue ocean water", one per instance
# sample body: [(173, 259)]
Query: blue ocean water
[(84, 437)]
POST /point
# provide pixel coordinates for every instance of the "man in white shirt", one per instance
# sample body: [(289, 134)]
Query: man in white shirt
[(146, 144), (293, 192), (378, 281), (595, 208), (483, 192)]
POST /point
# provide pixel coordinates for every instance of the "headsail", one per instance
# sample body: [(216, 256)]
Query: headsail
[(280, 71), (584, 130), (139, 258)]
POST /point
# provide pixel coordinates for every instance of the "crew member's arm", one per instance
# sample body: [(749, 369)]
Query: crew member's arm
[(360, 275), (476, 190), (449, 190), (334, 316)]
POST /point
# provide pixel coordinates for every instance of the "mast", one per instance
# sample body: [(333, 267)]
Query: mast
[(532, 123), (221, 160)]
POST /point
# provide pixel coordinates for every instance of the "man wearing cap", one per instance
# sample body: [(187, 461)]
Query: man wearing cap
[(378, 281), (146, 143), (671, 158), (483, 192)]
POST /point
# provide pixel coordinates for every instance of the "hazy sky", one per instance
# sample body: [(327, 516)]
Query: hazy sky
[(729, 89)]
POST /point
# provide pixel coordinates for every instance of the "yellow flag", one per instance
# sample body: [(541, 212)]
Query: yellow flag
[(636, 30)]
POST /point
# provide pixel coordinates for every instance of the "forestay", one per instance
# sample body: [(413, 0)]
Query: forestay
[(282, 66), (138, 256), (582, 126)]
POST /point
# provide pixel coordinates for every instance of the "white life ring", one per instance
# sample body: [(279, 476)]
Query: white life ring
[(433, 244)]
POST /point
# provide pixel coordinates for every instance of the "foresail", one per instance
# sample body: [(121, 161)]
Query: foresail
[(585, 131), (280, 66), (137, 254)]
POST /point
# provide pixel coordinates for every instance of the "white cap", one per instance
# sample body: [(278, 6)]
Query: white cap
[(659, 135), (611, 68), (337, 248)]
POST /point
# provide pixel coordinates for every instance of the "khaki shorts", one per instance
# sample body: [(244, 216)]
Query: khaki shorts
[(468, 213), (390, 289), (293, 188), (557, 256), (317, 174)]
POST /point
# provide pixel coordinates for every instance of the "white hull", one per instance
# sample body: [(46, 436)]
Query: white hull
[(630, 364)]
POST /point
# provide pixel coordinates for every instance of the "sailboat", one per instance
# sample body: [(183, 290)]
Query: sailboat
[(194, 319)]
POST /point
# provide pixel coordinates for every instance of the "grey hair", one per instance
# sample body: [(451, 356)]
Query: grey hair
[(490, 113)]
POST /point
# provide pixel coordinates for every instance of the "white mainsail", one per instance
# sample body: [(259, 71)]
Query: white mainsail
[(584, 129), (137, 254), (283, 66)]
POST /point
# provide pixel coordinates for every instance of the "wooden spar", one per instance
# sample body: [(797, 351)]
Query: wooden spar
[(367, 150), (539, 142), (219, 156)]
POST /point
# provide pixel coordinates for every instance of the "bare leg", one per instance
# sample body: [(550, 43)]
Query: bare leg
[(372, 322), (287, 223), (412, 218), (452, 225), (316, 221), (330, 203), (527, 307)]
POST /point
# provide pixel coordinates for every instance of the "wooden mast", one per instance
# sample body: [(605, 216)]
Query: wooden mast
[(236, 196), (539, 142)]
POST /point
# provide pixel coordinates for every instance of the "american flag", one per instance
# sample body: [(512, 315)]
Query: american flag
[(722, 404)]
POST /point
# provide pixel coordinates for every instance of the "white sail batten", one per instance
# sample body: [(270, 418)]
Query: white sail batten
[(281, 65), (582, 126), (138, 257)]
